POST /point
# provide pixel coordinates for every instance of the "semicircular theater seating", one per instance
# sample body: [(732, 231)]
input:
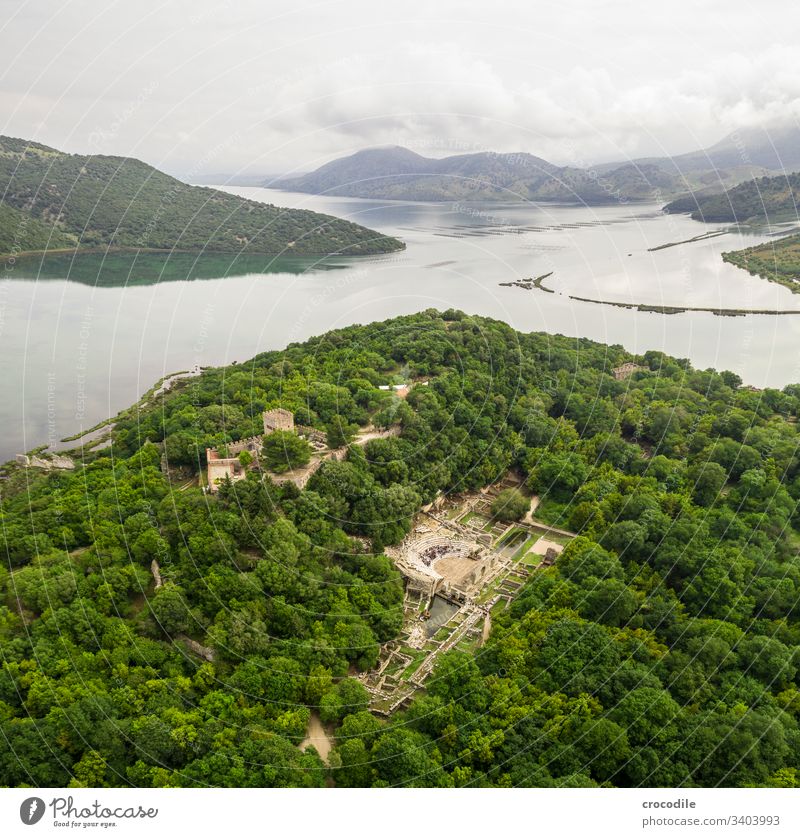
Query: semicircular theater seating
[(427, 550)]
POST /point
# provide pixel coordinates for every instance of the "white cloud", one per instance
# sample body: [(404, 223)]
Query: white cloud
[(442, 92), (572, 82)]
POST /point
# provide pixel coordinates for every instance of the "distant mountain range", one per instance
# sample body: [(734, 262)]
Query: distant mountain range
[(401, 174), (770, 149), (53, 200)]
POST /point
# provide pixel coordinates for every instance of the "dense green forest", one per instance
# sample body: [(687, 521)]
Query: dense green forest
[(93, 201), (660, 649), (755, 201), (20, 231)]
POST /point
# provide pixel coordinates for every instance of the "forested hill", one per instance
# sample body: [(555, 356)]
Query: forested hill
[(58, 200), (756, 201), (397, 173), (400, 174), (661, 649)]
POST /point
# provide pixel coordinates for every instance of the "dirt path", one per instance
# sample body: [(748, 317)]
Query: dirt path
[(532, 510), (368, 434), (317, 738), (487, 629)]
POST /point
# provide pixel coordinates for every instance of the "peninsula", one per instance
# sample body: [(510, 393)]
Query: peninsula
[(428, 551), (57, 201)]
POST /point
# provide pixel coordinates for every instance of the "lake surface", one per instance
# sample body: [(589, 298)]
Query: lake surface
[(82, 339)]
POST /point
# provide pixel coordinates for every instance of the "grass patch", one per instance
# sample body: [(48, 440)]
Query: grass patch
[(414, 665), (489, 592), (531, 559), (551, 512), (560, 539)]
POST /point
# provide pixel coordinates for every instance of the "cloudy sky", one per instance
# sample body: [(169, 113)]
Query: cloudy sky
[(269, 86)]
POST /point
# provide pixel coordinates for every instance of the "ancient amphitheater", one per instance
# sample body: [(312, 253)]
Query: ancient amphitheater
[(439, 562)]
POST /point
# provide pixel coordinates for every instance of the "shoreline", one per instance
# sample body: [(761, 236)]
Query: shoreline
[(702, 237), (649, 308), (88, 251), (741, 259), (519, 201), (162, 386)]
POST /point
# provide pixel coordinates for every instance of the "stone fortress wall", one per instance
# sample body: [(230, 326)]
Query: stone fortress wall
[(280, 419)]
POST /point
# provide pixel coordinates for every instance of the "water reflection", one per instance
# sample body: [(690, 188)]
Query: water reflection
[(129, 269), (94, 333)]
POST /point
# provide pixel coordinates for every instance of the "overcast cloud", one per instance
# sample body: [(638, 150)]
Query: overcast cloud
[(198, 87)]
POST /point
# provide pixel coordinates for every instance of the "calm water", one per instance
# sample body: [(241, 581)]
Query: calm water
[(74, 351), (442, 612)]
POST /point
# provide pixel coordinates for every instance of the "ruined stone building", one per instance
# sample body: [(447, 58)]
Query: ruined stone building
[(252, 445), (438, 563), (219, 468), (626, 370), (316, 438), (278, 419)]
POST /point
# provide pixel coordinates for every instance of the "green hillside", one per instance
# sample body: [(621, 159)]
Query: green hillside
[(755, 201), (659, 650), (778, 261), (20, 232), (102, 201)]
